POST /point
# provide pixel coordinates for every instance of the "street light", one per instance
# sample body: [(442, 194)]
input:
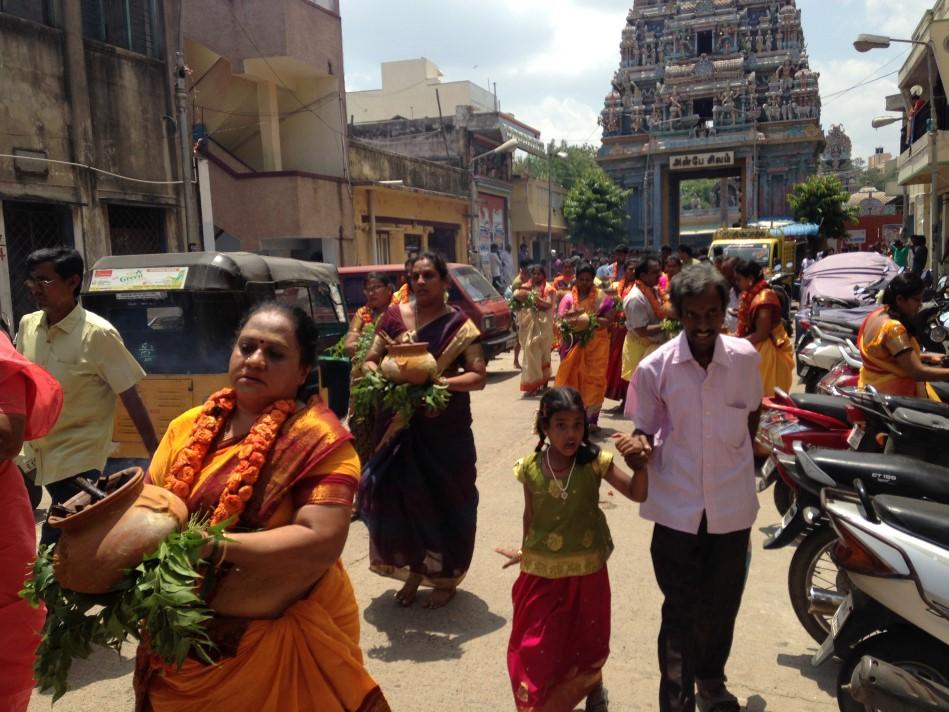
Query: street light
[(864, 43), (550, 209), (508, 146), (881, 121)]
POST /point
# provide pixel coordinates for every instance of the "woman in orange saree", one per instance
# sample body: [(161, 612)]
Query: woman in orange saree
[(892, 359), (286, 621), (585, 355), (30, 401), (759, 321)]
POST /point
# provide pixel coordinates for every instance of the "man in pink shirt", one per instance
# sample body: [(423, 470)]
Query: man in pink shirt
[(695, 403)]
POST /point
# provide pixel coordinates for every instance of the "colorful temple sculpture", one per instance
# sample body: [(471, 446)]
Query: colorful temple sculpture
[(710, 89)]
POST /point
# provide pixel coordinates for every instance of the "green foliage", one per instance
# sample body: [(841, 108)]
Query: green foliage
[(670, 327), (372, 393), (595, 209), (566, 171), (568, 335), (157, 598), (516, 305), (822, 199), (703, 187)]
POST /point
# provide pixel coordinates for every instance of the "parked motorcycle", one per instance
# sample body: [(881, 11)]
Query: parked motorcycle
[(895, 552), (815, 584), (815, 420)]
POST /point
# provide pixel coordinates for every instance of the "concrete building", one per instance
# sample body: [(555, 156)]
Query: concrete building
[(708, 89), (88, 146), (269, 98), (463, 141), (412, 89), (924, 144), (404, 204), (879, 159), (529, 201)]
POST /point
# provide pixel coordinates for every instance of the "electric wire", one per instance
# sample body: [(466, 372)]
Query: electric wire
[(89, 168)]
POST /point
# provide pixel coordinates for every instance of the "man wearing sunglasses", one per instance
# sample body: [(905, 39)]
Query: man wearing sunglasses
[(85, 353)]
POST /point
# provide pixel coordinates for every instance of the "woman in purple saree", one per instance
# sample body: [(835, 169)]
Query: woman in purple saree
[(418, 493)]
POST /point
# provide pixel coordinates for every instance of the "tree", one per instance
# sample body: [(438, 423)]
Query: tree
[(822, 200), (595, 209), (566, 171)]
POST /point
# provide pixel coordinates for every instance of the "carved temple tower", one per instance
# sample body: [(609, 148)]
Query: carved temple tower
[(710, 89)]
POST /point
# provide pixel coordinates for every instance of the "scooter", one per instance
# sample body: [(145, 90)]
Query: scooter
[(895, 552), (845, 376), (815, 584)]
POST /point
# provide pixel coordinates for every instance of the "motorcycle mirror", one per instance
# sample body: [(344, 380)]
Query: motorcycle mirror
[(937, 334)]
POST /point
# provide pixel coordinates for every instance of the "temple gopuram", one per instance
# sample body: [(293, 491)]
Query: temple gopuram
[(710, 89)]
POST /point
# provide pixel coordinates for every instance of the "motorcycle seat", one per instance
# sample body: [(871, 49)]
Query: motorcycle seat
[(937, 424), (927, 520), (843, 321), (884, 473), (831, 406)]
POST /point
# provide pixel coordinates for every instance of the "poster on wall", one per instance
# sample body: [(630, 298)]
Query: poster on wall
[(856, 237), (891, 233), (491, 228)]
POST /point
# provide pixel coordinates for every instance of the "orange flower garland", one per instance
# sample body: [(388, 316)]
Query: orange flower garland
[(252, 455), (365, 315)]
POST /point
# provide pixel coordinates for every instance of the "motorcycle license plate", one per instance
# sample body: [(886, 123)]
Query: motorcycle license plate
[(805, 370), (855, 437), (789, 515), (836, 623)]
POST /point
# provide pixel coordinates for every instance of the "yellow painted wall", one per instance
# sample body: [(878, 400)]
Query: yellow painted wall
[(409, 210)]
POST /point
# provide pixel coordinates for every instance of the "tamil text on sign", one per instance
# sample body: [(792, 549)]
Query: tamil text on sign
[(703, 160)]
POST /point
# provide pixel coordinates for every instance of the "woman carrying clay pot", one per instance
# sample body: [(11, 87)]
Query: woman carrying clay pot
[(30, 401), (286, 621), (418, 493)]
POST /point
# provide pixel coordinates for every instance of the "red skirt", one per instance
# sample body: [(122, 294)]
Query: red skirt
[(560, 640), (615, 385)]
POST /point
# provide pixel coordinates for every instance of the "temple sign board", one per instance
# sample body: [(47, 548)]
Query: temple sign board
[(722, 159)]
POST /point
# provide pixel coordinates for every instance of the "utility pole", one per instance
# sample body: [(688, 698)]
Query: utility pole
[(190, 226)]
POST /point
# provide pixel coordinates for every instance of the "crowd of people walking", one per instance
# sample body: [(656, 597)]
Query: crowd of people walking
[(286, 473)]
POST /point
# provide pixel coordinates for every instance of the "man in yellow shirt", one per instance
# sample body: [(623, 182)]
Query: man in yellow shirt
[(85, 353)]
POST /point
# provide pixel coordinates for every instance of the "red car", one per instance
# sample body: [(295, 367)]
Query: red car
[(468, 290)]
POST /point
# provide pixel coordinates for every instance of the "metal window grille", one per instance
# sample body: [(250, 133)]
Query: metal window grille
[(382, 247), (130, 24), (136, 231), (29, 227), (36, 10)]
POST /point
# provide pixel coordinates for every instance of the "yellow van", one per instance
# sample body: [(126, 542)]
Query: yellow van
[(769, 246)]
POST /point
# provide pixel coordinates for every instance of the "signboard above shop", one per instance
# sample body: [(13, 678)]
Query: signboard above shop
[(121, 280), (526, 141), (722, 159)]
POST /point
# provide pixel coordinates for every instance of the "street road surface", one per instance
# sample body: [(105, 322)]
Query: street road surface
[(455, 658)]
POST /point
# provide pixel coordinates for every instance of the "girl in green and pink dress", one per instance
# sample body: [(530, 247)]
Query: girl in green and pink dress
[(561, 628)]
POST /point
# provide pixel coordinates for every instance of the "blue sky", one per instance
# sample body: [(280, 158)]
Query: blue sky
[(553, 59)]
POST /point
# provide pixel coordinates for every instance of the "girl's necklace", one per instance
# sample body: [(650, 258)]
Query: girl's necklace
[(563, 488)]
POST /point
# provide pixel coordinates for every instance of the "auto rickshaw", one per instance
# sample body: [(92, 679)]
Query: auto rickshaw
[(178, 314)]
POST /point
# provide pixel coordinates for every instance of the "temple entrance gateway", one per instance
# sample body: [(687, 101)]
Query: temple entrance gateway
[(710, 90), (702, 201)]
